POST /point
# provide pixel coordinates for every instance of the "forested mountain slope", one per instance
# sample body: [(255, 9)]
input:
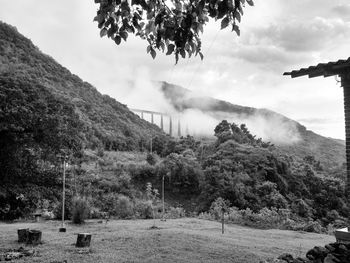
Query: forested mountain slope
[(299, 141), (107, 122)]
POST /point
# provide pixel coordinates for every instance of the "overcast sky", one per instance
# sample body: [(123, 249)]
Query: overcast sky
[(276, 36)]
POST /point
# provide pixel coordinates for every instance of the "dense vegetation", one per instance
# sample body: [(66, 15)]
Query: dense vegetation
[(262, 187), (329, 151), (46, 113), (35, 128), (252, 175), (108, 123)]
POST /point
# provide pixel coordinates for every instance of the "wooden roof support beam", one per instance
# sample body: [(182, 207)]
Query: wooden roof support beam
[(345, 82)]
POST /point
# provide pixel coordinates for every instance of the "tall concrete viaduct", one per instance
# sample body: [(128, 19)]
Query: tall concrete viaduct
[(163, 119)]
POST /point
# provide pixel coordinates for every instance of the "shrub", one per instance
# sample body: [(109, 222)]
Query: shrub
[(96, 213), (205, 216), (100, 152), (233, 215), (141, 173), (143, 209), (80, 210), (47, 215), (308, 226), (57, 211), (340, 223), (107, 202), (151, 159), (124, 183), (265, 218), (175, 212), (124, 207), (301, 208), (313, 226), (332, 215)]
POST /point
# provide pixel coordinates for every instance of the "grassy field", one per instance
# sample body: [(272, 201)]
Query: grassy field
[(178, 240)]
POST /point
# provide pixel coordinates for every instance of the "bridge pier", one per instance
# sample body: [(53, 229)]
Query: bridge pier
[(162, 125), (178, 128)]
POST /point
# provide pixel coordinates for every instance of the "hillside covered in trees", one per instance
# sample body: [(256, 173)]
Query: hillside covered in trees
[(300, 142), (47, 113), (107, 123), (261, 186)]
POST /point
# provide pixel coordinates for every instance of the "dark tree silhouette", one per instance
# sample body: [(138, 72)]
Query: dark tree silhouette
[(171, 26)]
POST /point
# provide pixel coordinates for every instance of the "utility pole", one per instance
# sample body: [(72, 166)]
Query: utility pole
[(63, 228), (151, 145), (64, 190), (163, 216), (222, 221)]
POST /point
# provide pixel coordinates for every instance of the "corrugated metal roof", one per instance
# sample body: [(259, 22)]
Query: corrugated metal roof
[(322, 69)]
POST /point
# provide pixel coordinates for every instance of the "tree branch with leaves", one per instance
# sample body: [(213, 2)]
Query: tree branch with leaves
[(171, 26)]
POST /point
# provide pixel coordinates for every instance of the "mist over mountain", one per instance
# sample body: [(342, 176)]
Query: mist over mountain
[(288, 135)]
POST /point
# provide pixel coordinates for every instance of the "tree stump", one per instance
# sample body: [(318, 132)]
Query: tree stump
[(37, 217), (62, 229), (34, 237), (83, 240), (22, 235)]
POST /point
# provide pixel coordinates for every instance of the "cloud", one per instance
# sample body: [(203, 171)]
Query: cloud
[(320, 121), (297, 35), (267, 57), (342, 10), (266, 125)]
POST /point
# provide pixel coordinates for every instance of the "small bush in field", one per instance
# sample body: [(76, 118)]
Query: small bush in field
[(107, 203), (96, 213), (234, 215), (205, 216), (68, 208), (175, 212), (143, 209), (80, 210), (124, 207), (313, 226), (47, 215)]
